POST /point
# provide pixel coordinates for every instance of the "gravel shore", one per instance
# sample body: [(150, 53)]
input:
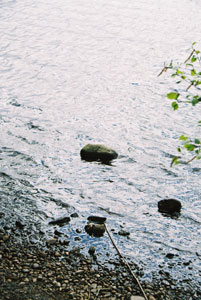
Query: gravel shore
[(28, 272)]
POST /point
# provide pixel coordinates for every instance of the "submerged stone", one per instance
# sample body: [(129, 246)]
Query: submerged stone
[(60, 221), (169, 206), (94, 152)]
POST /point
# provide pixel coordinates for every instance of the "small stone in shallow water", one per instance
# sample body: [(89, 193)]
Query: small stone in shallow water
[(74, 215), (97, 219), (92, 250), (124, 233), (19, 224), (94, 152), (96, 230), (169, 206), (51, 242), (170, 255), (60, 221)]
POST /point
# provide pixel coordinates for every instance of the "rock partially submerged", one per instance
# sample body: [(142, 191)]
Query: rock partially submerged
[(96, 230), (97, 219), (95, 152), (60, 221), (169, 206)]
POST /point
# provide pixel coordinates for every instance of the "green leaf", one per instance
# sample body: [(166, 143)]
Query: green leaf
[(193, 44), (179, 149), (197, 141), (189, 147), (175, 106), (193, 59), (183, 138), (174, 161), (195, 101), (178, 72), (198, 157), (173, 95), (193, 72)]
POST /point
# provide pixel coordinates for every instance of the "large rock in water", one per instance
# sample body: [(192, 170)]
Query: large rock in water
[(94, 152), (169, 206)]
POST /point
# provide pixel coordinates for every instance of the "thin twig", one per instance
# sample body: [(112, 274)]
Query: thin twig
[(191, 54), (190, 160), (190, 85), (126, 263), (163, 70)]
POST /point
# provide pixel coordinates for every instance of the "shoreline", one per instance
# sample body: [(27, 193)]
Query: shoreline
[(29, 272)]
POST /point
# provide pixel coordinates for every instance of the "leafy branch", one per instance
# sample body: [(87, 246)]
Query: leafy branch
[(188, 76)]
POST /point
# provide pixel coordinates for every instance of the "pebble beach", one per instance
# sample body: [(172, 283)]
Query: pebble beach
[(28, 272)]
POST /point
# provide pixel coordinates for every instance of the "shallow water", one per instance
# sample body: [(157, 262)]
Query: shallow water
[(74, 72)]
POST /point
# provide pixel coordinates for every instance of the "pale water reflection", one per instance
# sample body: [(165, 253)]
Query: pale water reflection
[(74, 72)]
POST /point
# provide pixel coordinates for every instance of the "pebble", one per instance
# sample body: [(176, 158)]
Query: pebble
[(74, 215), (36, 266), (51, 242), (25, 270), (123, 233), (92, 250), (5, 237)]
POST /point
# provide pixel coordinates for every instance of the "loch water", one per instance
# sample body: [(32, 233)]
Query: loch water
[(74, 72)]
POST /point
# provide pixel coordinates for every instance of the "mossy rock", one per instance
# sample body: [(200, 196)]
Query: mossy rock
[(96, 230), (95, 152)]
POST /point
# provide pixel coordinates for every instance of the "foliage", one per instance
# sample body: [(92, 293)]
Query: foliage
[(188, 79)]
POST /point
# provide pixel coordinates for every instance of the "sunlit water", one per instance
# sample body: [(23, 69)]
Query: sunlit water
[(74, 72)]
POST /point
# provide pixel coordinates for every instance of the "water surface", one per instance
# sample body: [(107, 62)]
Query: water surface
[(74, 72)]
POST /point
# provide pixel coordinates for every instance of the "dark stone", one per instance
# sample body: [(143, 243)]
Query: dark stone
[(58, 233), (169, 206), (74, 215), (19, 224), (2, 214), (92, 250), (124, 233), (96, 230), (95, 152), (97, 219), (170, 255), (60, 221)]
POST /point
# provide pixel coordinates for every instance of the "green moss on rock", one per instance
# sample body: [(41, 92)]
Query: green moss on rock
[(94, 152)]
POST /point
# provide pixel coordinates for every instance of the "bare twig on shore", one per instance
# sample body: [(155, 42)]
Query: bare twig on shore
[(126, 263)]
